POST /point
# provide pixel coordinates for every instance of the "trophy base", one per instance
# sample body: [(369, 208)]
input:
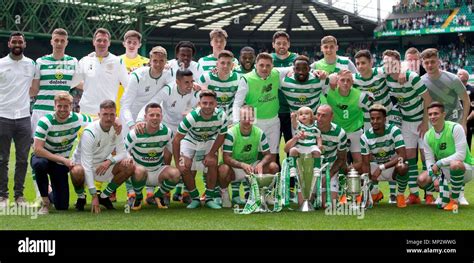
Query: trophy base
[(306, 206), (263, 208)]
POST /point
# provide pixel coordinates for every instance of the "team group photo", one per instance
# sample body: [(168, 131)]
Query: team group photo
[(236, 115)]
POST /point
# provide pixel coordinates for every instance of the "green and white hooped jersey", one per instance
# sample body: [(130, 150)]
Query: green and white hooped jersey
[(197, 129), (59, 137), (225, 89), (408, 96), (333, 141), (209, 62), (382, 147), (311, 132), (376, 86), (55, 76), (147, 149), (299, 94)]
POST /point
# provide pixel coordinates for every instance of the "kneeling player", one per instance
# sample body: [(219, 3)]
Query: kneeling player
[(307, 140), (242, 145), (383, 154), (95, 161), (148, 151)]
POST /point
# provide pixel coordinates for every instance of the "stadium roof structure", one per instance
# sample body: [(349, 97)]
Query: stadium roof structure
[(169, 21)]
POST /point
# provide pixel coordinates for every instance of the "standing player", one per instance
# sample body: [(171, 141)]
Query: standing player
[(445, 87), (132, 41), (303, 89), (199, 136), (148, 151), (332, 63), (55, 73), (334, 146), (259, 89), (144, 84), (349, 106), (464, 77), (243, 144), (246, 61), (93, 156), (413, 100), (54, 139), (383, 154), (16, 75), (447, 157), (218, 42), (102, 73), (185, 51), (224, 82)]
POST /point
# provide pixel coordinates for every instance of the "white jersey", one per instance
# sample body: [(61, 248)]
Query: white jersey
[(95, 147), (102, 77), (193, 66), (175, 106), (142, 87)]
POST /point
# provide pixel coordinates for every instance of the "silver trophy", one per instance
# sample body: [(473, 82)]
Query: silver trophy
[(306, 179), (265, 182), (357, 185)]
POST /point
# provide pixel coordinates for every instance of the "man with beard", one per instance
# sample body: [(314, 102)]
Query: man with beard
[(16, 76)]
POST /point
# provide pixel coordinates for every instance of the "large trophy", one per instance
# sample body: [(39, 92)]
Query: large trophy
[(265, 182), (306, 179)]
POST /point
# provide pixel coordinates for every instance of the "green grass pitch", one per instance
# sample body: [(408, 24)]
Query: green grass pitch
[(382, 217)]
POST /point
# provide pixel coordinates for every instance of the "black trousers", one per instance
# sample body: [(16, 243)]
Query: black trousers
[(58, 174), (285, 129)]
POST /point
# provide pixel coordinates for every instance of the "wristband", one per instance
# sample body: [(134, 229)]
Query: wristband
[(112, 160), (382, 167)]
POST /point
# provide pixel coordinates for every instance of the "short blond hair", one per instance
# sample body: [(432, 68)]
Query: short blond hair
[(158, 50), (60, 31), (62, 95), (305, 108)]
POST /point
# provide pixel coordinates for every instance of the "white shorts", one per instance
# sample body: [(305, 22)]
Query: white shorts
[(307, 149), (271, 128), (467, 175), (196, 152), (354, 137), (240, 174), (35, 116), (154, 176), (386, 175), (107, 177), (411, 136)]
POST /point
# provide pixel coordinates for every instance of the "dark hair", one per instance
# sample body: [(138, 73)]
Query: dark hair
[(392, 53), (378, 107), (302, 58), (186, 44), (363, 53), (102, 30), (264, 55), (152, 105), (183, 72), (280, 34), (16, 34), (207, 93), (108, 104), (436, 104), (247, 49)]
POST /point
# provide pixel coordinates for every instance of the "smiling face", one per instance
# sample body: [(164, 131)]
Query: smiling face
[(185, 56), (329, 50), (185, 84), (431, 65), (224, 65), (208, 104), (101, 44), (158, 62), (247, 60), (17, 45), (364, 65), (62, 109), (301, 69), (264, 67), (281, 45), (436, 116), (132, 44), (153, 118), (377, 120)]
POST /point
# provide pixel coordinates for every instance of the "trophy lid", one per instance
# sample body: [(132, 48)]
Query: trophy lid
[(353, 173)]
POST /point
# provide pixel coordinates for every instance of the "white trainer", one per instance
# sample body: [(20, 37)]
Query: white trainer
[(462, 199)]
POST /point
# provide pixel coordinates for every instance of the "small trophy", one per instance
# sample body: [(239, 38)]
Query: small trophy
[(353, 187)]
